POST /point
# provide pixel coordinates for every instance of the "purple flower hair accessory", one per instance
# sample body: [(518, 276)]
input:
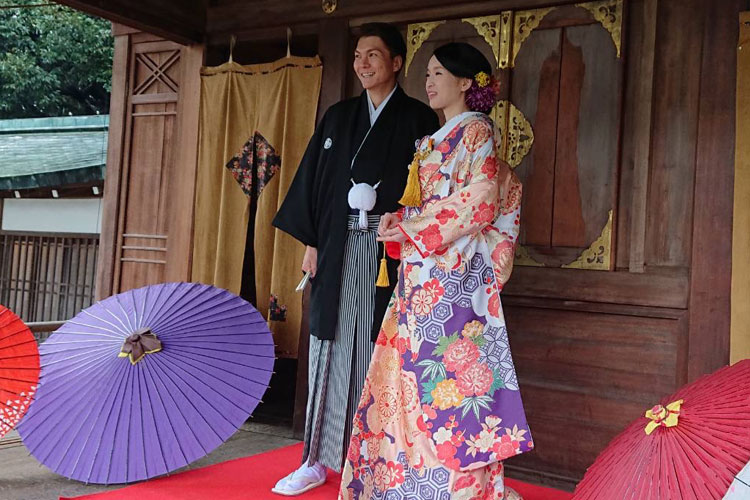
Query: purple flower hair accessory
[(483, 97)]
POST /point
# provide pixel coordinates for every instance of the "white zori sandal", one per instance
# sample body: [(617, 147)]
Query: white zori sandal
[(303, 479)]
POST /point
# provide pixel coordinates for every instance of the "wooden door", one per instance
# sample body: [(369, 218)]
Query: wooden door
[(148, 198)]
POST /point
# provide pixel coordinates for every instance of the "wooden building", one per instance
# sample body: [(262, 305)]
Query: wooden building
[(51, 182), (619, 115)]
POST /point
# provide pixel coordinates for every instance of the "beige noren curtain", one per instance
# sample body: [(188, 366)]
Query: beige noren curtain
[(279, 101)]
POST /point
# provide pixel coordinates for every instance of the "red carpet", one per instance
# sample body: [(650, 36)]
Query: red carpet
[(252, 478)]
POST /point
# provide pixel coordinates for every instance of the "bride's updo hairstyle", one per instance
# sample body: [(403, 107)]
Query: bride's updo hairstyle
[(465, 61)]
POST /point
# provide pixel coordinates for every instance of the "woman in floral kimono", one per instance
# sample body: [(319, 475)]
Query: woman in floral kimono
[(441, 409)]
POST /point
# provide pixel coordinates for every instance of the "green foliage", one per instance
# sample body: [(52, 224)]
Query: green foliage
[(479, 340), (497, 382), (443, 344), (53, 61), (427, 388)]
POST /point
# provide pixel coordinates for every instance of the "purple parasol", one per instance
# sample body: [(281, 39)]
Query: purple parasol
[(147, 381)]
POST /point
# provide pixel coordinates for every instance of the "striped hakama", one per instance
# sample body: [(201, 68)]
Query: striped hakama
[(338, 367)]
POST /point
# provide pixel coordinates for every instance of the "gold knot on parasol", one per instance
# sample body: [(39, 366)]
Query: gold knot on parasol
[(138, 344), (661, 416)]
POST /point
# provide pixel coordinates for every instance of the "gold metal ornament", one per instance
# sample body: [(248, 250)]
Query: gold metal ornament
[(329, 6), (506, 30), (609, 14), (489, 28), (524, 22), (416, 34), (523, 258), (598, 255), (516, 133)]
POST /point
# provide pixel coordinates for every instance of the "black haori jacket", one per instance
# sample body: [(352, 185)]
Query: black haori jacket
[(315, 210)]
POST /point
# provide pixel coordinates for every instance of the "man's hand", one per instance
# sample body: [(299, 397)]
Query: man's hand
[(310, 261)]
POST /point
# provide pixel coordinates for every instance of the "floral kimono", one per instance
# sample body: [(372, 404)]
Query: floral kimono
[(441, 407)]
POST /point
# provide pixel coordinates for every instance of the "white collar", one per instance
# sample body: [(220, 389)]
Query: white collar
[(375, 112), (450, 124)]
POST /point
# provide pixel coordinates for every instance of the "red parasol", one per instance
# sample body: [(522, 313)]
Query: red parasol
[(19, 369), (689, 447)]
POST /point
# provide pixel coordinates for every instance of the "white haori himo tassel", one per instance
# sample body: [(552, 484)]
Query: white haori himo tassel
[(362, 197)]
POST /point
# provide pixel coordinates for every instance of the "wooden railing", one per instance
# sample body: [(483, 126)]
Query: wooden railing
[(47, 277)]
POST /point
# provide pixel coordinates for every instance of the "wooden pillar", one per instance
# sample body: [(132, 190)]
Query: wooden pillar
[(710, 280), (740, 329), (108, 239), (333, 45), (147, 220)]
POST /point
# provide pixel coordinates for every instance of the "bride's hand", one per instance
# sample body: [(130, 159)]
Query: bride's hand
[(387, 221), (394, 234)]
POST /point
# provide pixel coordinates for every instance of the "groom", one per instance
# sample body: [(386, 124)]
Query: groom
[(369, 141)]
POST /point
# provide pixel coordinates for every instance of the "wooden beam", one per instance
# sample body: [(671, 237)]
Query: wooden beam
[(180, 21), (263, 34), (710, 281), (230, 17)]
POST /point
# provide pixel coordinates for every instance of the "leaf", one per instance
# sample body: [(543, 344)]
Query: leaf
[(497, 382), (427, 388), (434, 369), (479, 340), (53, 61), (474, 404), (443, 344), (484, 402)]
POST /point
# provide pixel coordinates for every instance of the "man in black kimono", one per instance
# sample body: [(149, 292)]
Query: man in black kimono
[(353, 171)]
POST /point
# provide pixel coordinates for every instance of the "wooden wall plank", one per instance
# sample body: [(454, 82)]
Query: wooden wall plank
[(673, 138), (711, 273), (180, 213), (568, 224), (667, 289), (584, 376), (637, 126), (535, 91)]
